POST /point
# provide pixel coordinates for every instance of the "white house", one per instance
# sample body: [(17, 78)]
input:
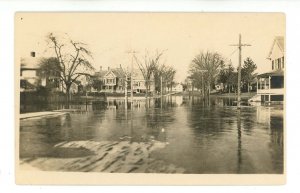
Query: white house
[(29, 73), (270, 85), (139, 83), (177, 87)]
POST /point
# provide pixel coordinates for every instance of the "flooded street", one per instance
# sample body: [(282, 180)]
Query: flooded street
[(174, 135)]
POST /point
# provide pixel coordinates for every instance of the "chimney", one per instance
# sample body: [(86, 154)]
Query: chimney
[(100, 68), (108, 68), (32, 54), (121, 66)]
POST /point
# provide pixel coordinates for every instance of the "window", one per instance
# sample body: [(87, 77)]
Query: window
[(282, 59), (110, 81)]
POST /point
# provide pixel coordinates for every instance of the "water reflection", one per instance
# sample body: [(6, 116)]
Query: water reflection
[(203, 136), (239, 145)]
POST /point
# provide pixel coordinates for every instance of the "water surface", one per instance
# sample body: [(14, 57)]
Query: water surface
[(201, 136)]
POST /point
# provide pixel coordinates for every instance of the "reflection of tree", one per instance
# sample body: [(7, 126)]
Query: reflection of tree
[(248, 120), (239, 145), (98, 105), (205, 121)]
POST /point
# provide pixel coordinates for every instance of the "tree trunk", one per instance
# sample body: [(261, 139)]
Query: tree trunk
[(146, 84), (208, 88), (248, 87), (68, 96)]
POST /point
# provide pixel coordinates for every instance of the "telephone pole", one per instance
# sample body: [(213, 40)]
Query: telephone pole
[(240, 45), (133, 52)]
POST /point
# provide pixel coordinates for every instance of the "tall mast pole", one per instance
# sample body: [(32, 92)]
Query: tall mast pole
[(239, 73), (240, 45), (131, 76)]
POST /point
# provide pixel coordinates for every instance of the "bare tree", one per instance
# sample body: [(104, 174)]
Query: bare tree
[(208, 62), (167, 73), (73, 59), (148, 67)]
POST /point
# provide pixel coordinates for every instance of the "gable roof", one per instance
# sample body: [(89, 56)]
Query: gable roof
[(278, 40), (119, 72), (100, 74), (110, 72)]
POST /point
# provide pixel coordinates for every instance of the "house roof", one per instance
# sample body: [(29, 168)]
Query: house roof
[(100, 74), (279, 72), (118, 72), (30, 62), (279, 40)]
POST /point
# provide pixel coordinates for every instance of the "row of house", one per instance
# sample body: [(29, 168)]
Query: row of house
[(111, 80), (114, 80)]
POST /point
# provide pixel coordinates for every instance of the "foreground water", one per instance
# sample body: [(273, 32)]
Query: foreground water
[(172, 135)]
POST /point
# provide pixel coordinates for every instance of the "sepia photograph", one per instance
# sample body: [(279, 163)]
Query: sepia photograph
[(150, 98)]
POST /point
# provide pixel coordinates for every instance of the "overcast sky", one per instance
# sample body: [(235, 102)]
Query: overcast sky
[(183, 35)]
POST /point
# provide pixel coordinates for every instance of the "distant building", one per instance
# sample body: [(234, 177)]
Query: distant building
[(190, 85), (31, 77), (139, 83), (270, 85), (113, 80), (110, 80), (176, 87)]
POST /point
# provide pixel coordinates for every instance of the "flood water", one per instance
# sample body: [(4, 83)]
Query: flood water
[(203, 137)]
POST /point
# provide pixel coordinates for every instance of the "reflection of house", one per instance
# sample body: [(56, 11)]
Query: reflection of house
[(270, 85)]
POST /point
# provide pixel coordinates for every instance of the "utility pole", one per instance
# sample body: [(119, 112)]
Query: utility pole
[(202, 82), (126, 85), (161, 86), (161, 92), (131, 77), (240, 45)]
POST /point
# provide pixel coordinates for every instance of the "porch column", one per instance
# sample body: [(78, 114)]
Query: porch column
[(257, 85), (270, 88)]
